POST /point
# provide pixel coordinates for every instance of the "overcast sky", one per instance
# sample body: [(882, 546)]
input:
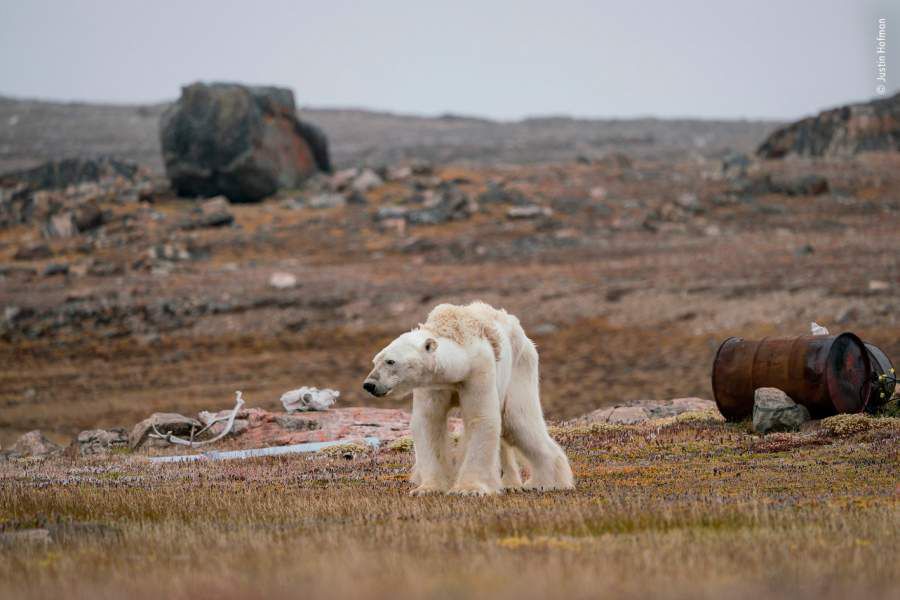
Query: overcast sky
[(734, 59)]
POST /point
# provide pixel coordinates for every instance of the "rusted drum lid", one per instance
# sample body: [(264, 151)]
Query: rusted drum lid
[(848, 374), (881, 365)]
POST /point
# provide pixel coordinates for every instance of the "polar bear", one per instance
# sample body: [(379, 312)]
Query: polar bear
[(478, 358)]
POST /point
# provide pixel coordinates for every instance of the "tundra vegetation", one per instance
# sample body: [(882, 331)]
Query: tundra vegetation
[(688, 507)]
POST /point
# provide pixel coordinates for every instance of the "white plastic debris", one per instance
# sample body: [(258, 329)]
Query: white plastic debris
[(309, 398), (817, 329), (254, 452)]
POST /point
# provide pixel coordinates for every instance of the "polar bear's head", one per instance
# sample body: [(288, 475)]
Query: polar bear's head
[(407, 363)]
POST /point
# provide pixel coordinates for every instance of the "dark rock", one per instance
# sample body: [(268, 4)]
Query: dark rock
[(449, 205), (773, 410), (807, 185), (357, 198), (844, 131), (500, 194), (36, 251), (55, 269), (243, 142)]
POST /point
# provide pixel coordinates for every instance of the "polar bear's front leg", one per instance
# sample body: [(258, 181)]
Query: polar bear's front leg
[(433, 471), (479, 473)]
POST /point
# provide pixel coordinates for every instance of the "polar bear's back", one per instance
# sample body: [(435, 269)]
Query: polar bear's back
[(464, 324)]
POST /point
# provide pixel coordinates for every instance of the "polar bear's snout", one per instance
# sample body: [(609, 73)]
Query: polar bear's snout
[(374, 388)]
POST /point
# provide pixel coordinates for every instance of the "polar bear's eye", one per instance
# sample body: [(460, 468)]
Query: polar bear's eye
[(389, 362)]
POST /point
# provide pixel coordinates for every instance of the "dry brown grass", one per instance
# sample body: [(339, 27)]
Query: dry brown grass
[(688, 509)]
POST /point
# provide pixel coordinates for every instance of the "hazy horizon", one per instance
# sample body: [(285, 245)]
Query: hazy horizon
[(747, 61)]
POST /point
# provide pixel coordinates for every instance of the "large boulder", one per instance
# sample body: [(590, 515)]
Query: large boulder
[(239, 141), (844, 131)]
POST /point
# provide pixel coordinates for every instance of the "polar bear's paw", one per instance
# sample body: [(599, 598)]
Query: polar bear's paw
[(426, 490), (548, 486), (473, 489)]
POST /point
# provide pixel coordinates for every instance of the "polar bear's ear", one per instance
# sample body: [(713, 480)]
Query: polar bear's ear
[(430, 345)]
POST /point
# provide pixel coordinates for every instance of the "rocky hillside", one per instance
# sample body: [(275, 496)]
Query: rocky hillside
[(33, 131), (842, 131)]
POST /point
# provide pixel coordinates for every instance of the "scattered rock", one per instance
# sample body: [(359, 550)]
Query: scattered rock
[(876, 285), (282, 281), (689, 201), (531, 211), (500, 194), (645, 410), (844, 131), (35, 251), (171, 252), (366, 181), (773, 410), (327, 201), (55, 269), (101, 441), (214, 212), (309, 398), (32, 444), (173, 423), (807, 185), (447, 205), (243, 142), (735, 165)]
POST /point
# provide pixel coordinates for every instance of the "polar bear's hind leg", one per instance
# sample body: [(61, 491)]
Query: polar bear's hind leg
[(524, 426)]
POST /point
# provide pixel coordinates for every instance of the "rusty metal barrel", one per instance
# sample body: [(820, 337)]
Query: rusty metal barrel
[(828, 374)]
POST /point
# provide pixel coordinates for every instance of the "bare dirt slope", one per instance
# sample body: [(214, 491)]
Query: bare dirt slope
[(628, 285)]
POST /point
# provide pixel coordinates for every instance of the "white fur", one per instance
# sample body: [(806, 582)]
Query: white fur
[(494, 382)]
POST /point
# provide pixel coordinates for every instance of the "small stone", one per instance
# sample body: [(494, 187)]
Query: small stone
[(804, 250), (214, 212), (876, 285), (773, 410), (327, 201), (283, 281), (32, 444), (689, 201), (101, 441), (532, 211), (35, 251), (366, 181), (55, 269)]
